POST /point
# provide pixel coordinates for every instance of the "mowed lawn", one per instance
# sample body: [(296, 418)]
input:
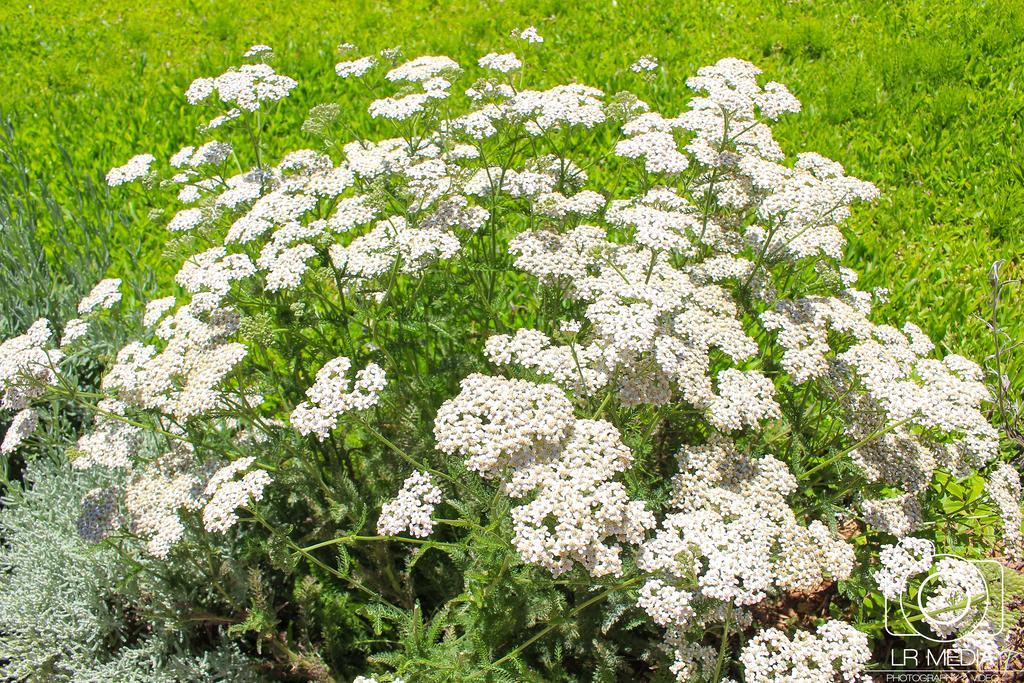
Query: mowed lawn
[(923, 98)]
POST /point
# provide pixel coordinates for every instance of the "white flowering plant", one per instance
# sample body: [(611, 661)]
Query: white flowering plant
[(537, 385)]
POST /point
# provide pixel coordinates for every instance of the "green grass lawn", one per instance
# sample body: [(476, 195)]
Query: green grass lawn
[(922, 98)]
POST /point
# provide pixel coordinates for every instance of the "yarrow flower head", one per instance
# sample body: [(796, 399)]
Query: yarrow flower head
[(423, 68), (137, 167), (260, 51), (731, 509), (836, 652), (74, 329), (21, 427), (245, 87), (27, 367), (411, 510), (156, 309), (500, 62), (496, 421), (153, 499), (899, 516), (104, 295), (578, 511), (227, 491), (334, 393), (645, 64), (900, 562), (528, 34), (111, 443), (355, 67), (1004, 487)]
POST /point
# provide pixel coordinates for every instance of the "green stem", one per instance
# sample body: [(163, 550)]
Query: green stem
[(724, 644), (604, 404), (353, 539), (558, 622), (863, 442), (405, 456), (312, 558)]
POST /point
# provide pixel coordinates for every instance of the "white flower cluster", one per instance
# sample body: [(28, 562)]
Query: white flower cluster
[(187, 219), (936, 404), (570, 366), (184, 378), (286, 200), (899, 516), (104, 295), (135, 168), (535, 179), (153, 499), (423, 69), (407, 106), (666, 604), (836, 652), (412, 508), (658, 149), (27, 367), (646, 63), (226, 492), (213, 271), (732, 529), (1004, 488), (953, 600), (392, 240), (22, 426), (805, 205), (984, 646), (926, 397), (526, 434), (496, 423), (555, 258), (259, 50), (900, 562), (556, 108), (952, 592), (500, 62), (744, 399), (334, 393), (528, 35), (285, 258), (692, 661), (647, 314), (724, 117), (557, 205), (355, 67), (159, 489), (156, 309), (537, 111), (112, 442), (74, 329), (210, 153), (245, 88), (577, 507)]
